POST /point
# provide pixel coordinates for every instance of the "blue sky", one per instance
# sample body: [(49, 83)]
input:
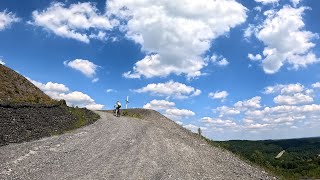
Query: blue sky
[(236, 69)]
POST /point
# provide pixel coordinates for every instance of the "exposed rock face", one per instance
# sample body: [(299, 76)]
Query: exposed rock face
[(27, 123)]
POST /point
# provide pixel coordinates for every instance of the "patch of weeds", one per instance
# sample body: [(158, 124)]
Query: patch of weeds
[(133, 115), (83, 116), (125, 113)]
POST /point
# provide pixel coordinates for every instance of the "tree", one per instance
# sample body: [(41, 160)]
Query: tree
[(257, 157), (199, 131)]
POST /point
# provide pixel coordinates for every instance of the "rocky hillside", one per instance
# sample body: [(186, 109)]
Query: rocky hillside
[(26, 113)]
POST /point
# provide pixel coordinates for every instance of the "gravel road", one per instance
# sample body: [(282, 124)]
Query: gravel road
[(123, 148)]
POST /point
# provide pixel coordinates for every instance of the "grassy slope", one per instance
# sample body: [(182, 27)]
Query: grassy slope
[(14, 88), (301, 159)]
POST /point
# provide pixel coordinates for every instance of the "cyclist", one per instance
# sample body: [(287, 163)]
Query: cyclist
[(117, 107)]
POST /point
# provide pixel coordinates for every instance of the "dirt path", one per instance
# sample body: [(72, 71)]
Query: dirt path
[(123, 148)]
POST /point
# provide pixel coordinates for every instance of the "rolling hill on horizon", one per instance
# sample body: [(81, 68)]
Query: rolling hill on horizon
[(300, 160)]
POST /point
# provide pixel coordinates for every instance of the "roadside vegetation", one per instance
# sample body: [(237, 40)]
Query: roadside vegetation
[(83, 116)]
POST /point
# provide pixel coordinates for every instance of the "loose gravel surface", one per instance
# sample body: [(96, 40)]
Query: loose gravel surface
[(19, 123), (124, 148)]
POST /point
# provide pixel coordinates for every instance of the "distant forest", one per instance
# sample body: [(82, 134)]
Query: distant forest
[(301, 159)]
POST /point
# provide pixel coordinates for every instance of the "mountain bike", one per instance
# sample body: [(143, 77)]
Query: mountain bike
[(115, 113)]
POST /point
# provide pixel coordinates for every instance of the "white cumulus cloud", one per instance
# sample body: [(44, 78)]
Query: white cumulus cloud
[(226, 111), (219, 60), (272, 89), (292, 88), (170, 89), (256, 57), (95, 80), (175, 34), (316, 85), (94, 106), (60, 91), (253, 103), (257, 126), (286, 113), (290, 94), (6, 19), (293, 111), (218, 122), (159, 105), (50, 86), (286, 40), (238, 107), (258, 8), (111, 90), (87, 67), (294, 99), (218, 95), (177, 114), (249, 31), (223, 62), (285, 89), (267, 1), (80, 21), (76, 98), (168, 109)]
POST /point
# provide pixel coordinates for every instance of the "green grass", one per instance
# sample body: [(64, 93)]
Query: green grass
[(83, 116), (133, 115)]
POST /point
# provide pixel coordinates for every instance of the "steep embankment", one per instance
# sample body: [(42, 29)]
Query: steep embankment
[(29, 122), (26, 113), (14, 88), (152, 147)]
